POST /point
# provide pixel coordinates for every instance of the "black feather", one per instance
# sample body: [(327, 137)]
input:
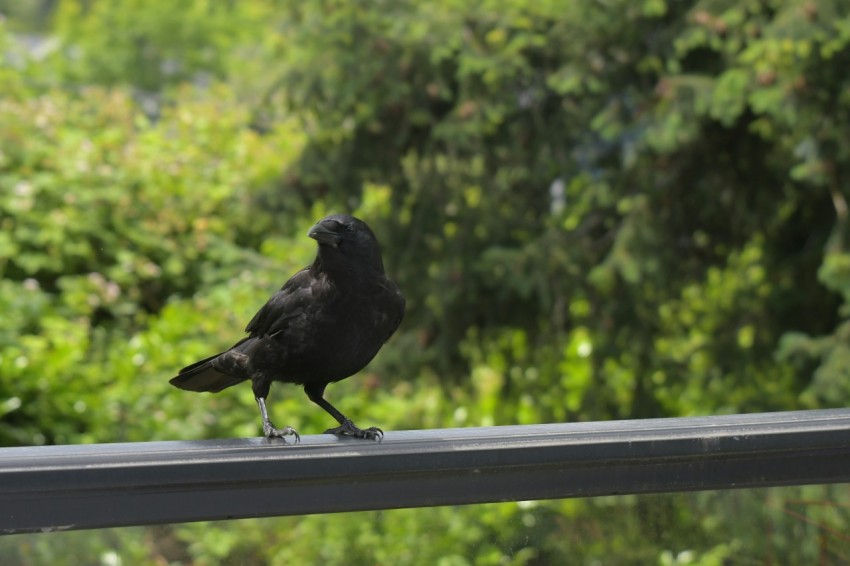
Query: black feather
[(325, 324)]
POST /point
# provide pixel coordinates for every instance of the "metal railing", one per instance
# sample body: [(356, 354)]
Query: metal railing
[(54, 488)]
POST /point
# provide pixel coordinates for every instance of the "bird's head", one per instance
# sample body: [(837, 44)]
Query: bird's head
[(344, 240)]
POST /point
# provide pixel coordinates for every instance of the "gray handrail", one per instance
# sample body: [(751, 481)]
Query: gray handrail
[(51, 488)]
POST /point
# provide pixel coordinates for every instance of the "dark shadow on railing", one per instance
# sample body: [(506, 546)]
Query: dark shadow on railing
[(78, 487)]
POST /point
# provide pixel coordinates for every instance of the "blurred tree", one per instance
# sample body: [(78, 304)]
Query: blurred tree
[(659, 175), (619, 213), (596, 210), (103, 224)]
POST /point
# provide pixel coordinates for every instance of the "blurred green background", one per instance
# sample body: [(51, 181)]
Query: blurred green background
[(596, 209)]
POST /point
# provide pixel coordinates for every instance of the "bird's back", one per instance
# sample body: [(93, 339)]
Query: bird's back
[(335, 334)]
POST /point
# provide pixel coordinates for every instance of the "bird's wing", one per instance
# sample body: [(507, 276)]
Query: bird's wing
[(284, 307)]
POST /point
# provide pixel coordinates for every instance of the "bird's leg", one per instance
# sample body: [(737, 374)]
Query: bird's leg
[(346, 426), (269, 430)]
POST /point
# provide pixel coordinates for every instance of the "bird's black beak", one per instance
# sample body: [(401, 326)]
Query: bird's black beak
[(326, 232)]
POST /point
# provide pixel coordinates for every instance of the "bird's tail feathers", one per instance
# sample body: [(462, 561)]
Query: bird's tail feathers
[(203, 375)]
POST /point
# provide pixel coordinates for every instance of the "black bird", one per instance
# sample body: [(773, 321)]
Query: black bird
[(326, 323)]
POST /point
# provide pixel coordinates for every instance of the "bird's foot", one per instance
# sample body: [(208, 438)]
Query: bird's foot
[(269, 431), (348, 429)]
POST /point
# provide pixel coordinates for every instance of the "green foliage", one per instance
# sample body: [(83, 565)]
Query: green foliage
[(618, 210), (108, 218), (705, 529), (554, 169), (128, 42)]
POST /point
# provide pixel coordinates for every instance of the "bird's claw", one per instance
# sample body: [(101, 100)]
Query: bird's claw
[(349, 429), (269, 431)]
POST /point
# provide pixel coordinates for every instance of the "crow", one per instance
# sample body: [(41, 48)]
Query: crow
[(325, 324)]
